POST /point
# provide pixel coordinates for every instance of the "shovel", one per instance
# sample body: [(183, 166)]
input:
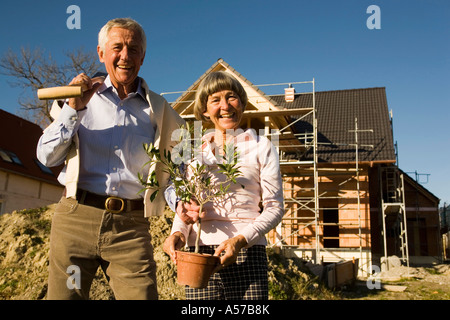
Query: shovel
[(64, 92)]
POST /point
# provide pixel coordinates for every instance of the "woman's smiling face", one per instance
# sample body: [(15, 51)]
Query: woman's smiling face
[(224, 109)]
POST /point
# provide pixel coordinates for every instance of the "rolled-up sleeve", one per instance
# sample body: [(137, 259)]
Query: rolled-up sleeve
[(179, 225), (56, 139)]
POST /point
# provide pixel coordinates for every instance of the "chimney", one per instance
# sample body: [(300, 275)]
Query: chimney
[(289, 94)]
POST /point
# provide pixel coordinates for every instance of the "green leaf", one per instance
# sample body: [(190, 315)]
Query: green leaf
[(153, 195)]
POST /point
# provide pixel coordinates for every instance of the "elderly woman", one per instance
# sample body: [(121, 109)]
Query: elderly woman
[(234, 228)]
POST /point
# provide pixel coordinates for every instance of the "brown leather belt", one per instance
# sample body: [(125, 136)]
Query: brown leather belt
[(108, 203)]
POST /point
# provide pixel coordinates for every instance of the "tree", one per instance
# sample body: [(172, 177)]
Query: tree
[(34, 69)]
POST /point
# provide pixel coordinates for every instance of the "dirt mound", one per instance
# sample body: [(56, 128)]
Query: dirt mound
[(24, 247), (291, 279)]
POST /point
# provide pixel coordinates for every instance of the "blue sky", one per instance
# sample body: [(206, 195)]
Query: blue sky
[(272, 41)]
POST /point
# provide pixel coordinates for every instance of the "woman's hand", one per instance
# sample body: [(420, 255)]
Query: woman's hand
[(174, 242), (189, 211), (231, 247)]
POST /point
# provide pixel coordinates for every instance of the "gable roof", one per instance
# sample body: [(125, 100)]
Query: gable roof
[(219, 65), (335, 113), (18, 142), (258, 101)]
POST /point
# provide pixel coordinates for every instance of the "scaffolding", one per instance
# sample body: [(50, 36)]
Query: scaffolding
[(302, 211), (303, 205), (393, 209)]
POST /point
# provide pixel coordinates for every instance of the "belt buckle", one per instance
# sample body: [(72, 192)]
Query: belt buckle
[(114, 198)]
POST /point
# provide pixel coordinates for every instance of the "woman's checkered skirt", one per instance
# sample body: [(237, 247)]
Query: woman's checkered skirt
[(246, 279)]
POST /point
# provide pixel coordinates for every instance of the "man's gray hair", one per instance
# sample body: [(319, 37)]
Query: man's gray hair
[(125, 23)]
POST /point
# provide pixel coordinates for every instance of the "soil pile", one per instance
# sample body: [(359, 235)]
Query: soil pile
[(24, 247), (292, 279)]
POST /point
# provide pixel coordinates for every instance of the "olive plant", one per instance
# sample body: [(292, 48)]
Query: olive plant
[(192, 179)]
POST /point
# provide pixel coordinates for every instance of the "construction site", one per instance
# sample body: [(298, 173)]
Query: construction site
[(350, 211), (345, 197)]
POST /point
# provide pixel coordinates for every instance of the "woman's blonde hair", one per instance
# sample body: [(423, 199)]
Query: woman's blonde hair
[(216, 82)]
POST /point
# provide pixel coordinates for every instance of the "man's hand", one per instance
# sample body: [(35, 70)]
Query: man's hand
[(89, 85), (231, 247), (174, 242), (189, 212)]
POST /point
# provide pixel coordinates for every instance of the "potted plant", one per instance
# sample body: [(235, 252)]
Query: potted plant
[(193, 180)]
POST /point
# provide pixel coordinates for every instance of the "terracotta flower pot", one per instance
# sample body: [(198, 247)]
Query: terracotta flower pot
[(195, 269)]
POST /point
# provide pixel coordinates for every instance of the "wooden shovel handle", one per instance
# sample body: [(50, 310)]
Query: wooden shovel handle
[(61, 92)]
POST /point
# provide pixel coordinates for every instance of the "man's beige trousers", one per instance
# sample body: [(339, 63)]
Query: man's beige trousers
[(84, 238)]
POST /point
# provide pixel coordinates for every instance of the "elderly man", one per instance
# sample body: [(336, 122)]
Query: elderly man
[(101, 220)]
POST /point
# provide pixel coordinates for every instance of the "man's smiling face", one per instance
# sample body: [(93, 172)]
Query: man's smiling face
[(123, 56)]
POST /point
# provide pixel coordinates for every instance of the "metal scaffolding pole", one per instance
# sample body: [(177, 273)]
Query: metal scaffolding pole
[(394, 206), (316, 176), (356, 131)]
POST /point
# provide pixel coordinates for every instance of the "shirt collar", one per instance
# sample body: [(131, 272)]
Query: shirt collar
[(107, 85), (242, 136)]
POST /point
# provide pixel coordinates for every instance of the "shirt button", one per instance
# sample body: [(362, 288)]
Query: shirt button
[(114, 188), (116, 147)]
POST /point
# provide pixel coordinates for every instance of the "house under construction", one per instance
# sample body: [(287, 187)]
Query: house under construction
[(345, 198)]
